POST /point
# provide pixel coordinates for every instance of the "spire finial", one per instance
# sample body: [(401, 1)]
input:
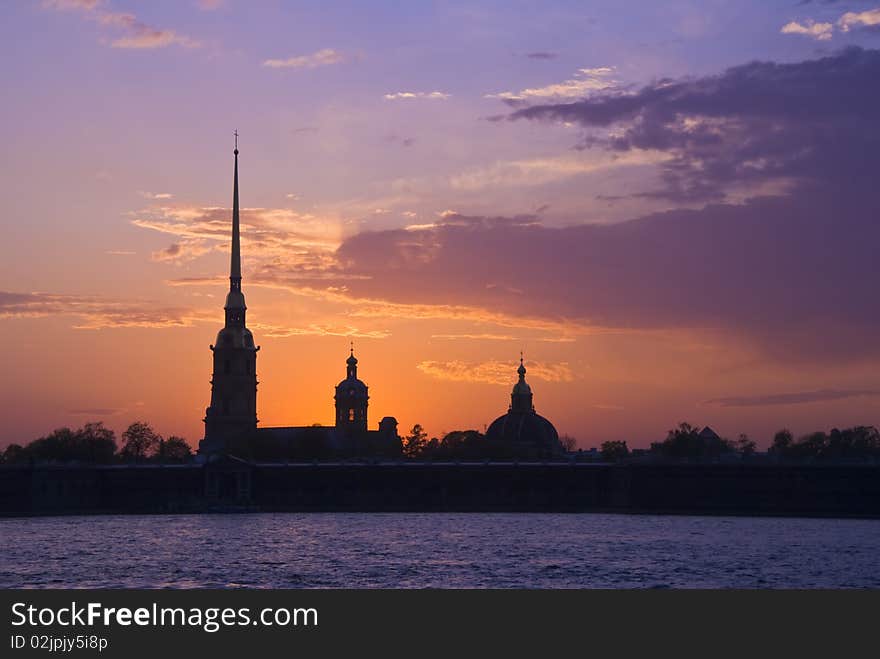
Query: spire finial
[(235, 265), (235, 305), (522, 369), (352, 363)]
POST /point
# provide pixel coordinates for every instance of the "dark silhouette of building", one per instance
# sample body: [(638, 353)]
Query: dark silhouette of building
[(351, 401), (233, 409), (708, 435), (231, 419), (522, 430), (347, 438)]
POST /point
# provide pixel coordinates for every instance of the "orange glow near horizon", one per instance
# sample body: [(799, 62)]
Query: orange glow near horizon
[(162, 376)]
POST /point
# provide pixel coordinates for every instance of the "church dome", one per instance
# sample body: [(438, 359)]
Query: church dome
[(527, 428), (351, 387), (522, 429)]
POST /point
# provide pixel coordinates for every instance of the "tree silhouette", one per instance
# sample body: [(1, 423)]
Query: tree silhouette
[(415, 442), (93, 443), (569, 443), (14, 454), (782, 441), (687, 442), (97, 442), (140, 441), (174, 449), (745, 446), (614, 451)]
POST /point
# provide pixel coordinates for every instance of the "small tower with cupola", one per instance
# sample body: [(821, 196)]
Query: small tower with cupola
[(351, 401)]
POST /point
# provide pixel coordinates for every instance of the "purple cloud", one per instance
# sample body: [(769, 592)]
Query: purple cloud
[(798, 398), (795, 275), (811, 122), (542, 54)]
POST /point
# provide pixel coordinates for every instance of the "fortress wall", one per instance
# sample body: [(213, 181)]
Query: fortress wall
[(756, 489)]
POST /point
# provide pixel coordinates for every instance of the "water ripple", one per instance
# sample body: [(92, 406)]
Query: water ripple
[(437, 550)]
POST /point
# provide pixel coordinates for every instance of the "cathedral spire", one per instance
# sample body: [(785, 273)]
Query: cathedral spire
[(235, 306), (235, 267), (232, 413)]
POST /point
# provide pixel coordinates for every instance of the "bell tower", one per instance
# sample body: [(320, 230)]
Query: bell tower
[(351, 401), (233, 409)]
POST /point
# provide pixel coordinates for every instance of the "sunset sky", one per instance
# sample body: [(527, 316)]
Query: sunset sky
[(672, 208)]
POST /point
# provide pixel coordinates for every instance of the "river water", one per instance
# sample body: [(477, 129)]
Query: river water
[(333, 550)]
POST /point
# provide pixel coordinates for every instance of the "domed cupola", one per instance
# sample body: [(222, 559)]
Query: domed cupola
[(352, 364), (351, 400), (522, 432), (521, 396)]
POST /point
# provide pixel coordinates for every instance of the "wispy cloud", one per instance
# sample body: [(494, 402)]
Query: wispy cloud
[(97, 411), (852, 19), (824, 31), (495, 372), (65, 5), (185, 250), (144, 37), (474, 337), (95, 312), (155, 195), (135, 33), (607, 407), (324, 57), (318, 329), (398, 139), (279, 236), (501, 337), (561, 330), (582, 84), (542, 54), (809, 28), (798, 398), (539, 171), (401, 96)]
